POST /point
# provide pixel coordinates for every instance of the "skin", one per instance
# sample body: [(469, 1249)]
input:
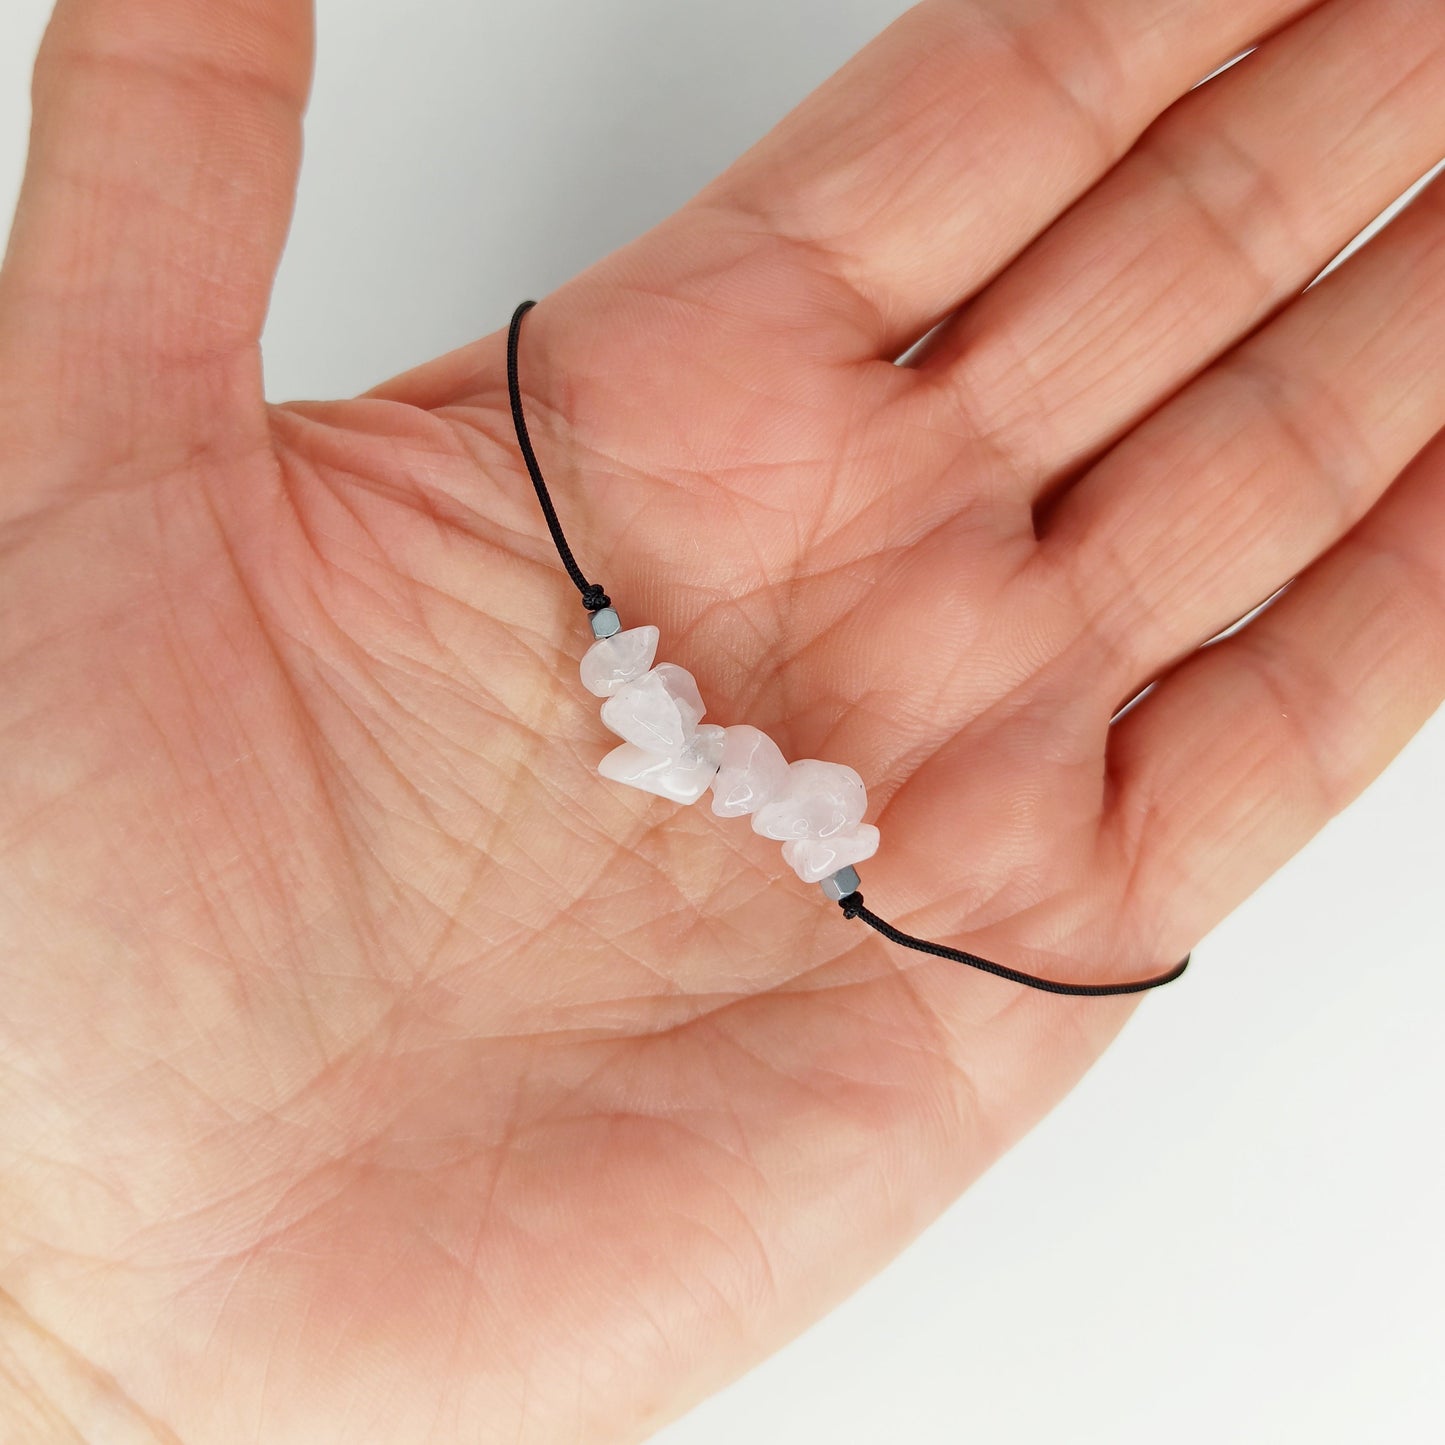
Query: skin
[(372, 1071)]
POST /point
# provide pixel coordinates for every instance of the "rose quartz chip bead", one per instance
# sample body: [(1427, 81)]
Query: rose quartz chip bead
[(623, 657), (683, 777), (819, 800), (814, 859), (658, 712), (752, 772)]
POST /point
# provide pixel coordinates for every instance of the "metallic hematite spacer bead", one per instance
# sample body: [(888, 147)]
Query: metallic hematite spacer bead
[(841, 885), (606, 622)]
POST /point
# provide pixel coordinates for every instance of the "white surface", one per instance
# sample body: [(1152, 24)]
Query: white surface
[(1230, 1234)]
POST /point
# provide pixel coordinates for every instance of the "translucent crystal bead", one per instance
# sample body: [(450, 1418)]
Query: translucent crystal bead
[(658, 712), (683, 778), (706, 745), (612, 661), (814, 859), (820, 800), (752, 771)]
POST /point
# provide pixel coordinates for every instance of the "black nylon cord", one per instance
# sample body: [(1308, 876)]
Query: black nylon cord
[(853, 907), (594, 598)]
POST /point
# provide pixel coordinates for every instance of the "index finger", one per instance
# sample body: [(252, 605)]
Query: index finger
[(898, 187), (930, 159)]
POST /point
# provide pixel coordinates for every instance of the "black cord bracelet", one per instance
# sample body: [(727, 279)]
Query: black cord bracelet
[(814, 808)]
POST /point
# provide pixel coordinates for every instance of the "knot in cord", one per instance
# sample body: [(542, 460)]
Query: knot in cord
[(852, 905), (594, 599)]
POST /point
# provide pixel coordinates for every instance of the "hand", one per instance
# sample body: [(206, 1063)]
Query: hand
[(376, 1072)]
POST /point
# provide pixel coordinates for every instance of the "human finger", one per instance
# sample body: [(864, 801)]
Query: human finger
[(1261, 463), (894, 190), (164, 153), (943, 147), (1244, 752), (1226, 208)]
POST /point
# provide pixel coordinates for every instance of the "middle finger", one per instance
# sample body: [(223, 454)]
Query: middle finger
[(1227, 207)]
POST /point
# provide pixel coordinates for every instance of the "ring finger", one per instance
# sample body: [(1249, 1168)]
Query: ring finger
[(1264, 461)]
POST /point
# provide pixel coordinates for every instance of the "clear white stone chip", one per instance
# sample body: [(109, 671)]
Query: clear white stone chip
[(684, 779), (753, 771), (706, 744), (658, 712), (611, 661), (820, 800), (814, 859)]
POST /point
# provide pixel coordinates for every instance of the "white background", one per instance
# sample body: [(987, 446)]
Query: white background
[(1231, 1233)]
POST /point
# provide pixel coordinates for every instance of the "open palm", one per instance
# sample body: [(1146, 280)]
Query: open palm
[(376, 1072)]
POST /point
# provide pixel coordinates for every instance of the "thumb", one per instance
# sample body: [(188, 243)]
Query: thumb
[(163, 161)]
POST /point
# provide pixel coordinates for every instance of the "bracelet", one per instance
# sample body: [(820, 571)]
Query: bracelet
[(814, 808)]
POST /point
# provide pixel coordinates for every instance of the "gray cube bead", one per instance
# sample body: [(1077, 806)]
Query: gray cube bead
[(843, 883), (606, 623)]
